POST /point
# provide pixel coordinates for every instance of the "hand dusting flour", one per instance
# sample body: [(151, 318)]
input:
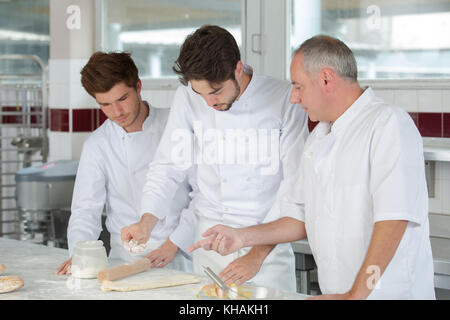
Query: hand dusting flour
[(134, 247)]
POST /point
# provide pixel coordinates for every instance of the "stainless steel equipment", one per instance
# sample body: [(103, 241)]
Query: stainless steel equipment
[(23, 132), (42, 192), (230, 292)]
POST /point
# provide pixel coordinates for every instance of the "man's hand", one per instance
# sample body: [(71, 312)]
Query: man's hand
[(222, 239), (163, 255), (140, 231), (65, 268), (246, 267)]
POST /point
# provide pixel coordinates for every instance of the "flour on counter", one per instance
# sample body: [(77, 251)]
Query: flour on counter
[(134, 247), (85, 273)]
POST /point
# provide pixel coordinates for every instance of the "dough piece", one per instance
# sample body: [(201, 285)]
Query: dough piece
[(172, 281), (213, 291), (2, 268), (10, 283), (134, 247)]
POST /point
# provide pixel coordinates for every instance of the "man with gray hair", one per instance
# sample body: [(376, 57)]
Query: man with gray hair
[(360, 194)]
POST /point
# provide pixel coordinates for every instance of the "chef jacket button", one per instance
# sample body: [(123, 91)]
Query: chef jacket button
[(225, 209)]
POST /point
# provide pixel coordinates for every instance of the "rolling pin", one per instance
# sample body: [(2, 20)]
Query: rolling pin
[(124, 270)]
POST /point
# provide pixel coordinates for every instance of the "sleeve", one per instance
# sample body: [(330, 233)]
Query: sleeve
[(184, 234), (292, 141), (397, 173), (88, 199), (292, 204), (174, 156)]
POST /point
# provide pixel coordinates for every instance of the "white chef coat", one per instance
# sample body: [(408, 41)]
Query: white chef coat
[(111, 171), (231, 191), (367, 167)]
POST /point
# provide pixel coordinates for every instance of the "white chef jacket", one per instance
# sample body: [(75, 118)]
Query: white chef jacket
[(366, 167), (111, 171), (231, 191)]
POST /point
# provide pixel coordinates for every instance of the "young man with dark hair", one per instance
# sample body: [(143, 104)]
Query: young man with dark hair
[(244, 138), (113, 164)]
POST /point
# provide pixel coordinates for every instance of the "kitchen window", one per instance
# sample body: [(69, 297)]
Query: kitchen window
[(153, 30), (395, 39), (24, 29)]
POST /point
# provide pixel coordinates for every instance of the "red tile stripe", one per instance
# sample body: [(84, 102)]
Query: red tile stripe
[(83, 120), (430, 124), (14, 118), (59, 120)]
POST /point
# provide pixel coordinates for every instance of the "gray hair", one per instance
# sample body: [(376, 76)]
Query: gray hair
[(324, 51)]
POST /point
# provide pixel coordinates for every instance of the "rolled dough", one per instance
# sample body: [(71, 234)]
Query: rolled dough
[(164, 282), (10, 283)]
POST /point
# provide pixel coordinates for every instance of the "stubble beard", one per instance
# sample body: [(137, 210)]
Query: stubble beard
[(232, 100)]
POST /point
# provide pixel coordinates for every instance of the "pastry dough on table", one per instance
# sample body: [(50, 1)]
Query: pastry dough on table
[(10, 283), (163, 282), (213, 291)]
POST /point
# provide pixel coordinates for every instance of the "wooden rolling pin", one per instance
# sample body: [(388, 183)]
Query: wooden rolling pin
[(124, 270)]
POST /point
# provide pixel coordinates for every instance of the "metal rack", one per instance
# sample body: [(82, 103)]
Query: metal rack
[(23, 136)]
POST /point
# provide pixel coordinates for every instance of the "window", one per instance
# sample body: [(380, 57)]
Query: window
[(153, 30), (395, 39), (24, 29)]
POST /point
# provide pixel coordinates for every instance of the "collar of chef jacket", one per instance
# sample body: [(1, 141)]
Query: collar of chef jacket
[(145, 126), (352, 112), (327, 133)]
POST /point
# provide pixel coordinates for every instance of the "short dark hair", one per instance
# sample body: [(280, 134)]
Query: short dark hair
[(104, 70), (210, 53)]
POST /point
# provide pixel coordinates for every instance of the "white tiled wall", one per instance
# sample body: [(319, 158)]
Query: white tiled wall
[(407, 99), (158, 98), (442, 201), (420, 100), (65, 89), (429, 100), (66, 145), (60, 145)]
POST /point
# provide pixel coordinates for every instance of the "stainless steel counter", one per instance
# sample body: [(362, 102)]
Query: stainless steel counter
[(436, 149), (36, 265)]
